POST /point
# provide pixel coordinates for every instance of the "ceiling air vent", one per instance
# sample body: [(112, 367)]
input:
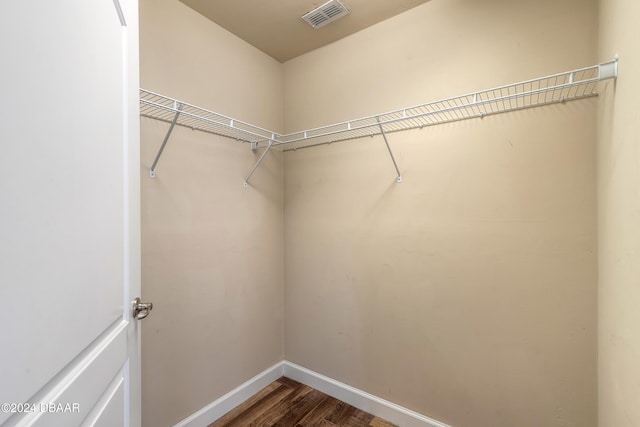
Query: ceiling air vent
[(328, 12)]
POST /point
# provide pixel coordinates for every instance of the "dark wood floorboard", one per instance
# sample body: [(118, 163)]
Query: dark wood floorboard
[(287, 403)]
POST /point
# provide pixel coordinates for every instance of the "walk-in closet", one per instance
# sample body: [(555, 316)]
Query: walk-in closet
[(422, 210), (411, 213), (413, 210)]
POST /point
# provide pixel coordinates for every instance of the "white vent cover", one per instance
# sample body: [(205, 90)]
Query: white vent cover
[(328, 12)]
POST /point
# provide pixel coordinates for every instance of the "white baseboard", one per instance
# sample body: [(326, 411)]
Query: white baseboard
[(396, 414), (384, 409), (235, 397)]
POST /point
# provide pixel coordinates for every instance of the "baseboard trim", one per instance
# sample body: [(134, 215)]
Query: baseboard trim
[(235, 397), (389, 411), (360, 399)]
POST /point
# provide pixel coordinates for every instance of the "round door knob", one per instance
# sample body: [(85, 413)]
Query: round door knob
[(141, 309)]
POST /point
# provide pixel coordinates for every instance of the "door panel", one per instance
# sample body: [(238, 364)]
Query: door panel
[(67, 251), (84, 384), (110, 410)]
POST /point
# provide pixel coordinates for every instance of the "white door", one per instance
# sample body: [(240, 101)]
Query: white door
[(69, 213)]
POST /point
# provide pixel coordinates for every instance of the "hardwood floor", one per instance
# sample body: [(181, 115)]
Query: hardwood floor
[(287, 403)]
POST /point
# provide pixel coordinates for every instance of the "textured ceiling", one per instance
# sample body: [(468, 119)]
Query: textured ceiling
[(275, 27)]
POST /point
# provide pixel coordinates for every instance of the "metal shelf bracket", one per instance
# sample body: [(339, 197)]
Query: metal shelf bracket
[(152, 171), (393, 159), (253, 169), (608, 70)]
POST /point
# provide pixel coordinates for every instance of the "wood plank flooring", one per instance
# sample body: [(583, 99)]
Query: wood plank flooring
[(287, 403)]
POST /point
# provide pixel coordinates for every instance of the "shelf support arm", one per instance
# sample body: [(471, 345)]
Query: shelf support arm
[(393, 159), (152, 171), (253, 169)]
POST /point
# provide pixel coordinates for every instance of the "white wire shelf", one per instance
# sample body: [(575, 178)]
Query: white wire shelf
[(556, 88), (163, 108)]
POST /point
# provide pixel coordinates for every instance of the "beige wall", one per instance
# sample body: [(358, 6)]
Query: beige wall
[(619, 219), (212, 251), (468, 292)]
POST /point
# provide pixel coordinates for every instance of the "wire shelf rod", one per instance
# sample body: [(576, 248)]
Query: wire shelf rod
[(560, 87), (447, 112), (500, 99), (346, 138), (212, 132), (264, 133), (238, 132)]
